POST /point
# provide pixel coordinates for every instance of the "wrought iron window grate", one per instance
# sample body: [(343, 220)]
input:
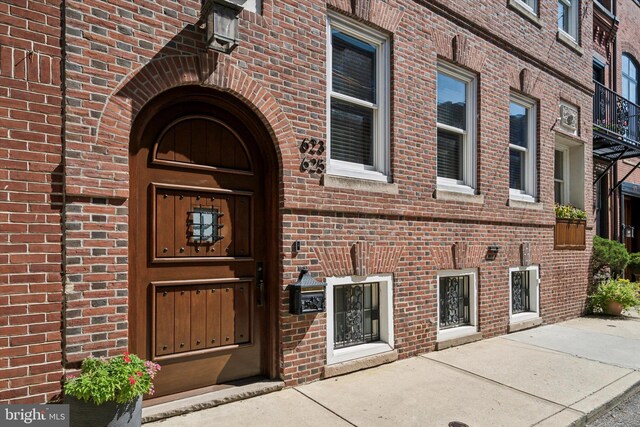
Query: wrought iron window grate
[(520, 297), (205, 225), (356, 314), (454, 301)]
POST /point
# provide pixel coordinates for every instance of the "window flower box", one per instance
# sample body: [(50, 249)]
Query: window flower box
[(570, 234)]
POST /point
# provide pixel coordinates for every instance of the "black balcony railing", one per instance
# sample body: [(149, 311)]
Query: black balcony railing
[(616, 117)]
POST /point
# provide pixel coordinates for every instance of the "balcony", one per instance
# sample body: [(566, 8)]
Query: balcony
[(616, 125)]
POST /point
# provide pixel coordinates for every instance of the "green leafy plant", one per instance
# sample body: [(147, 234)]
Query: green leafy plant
[(569, 212), (634, 263), (611, 254), (120, 379), (621, 291)]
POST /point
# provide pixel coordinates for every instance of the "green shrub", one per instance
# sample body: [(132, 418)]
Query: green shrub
[(619, 290), (120, 379), (609, 253), (634, 263), (569, 212)]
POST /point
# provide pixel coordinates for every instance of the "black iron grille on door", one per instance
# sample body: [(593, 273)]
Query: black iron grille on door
[(520, 300), (454, 301), (356, 318)]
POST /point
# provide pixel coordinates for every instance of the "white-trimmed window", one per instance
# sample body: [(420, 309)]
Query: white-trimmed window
[(358, 100), (629, 78), (561, 175), (359, 317), (524, 284), (568, 172), (531, 5), (568, 17), (522, 148), (456, 157), (457, 303)]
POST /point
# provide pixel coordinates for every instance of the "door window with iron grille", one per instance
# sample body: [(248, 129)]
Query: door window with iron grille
[(524, 292), (356, 314)]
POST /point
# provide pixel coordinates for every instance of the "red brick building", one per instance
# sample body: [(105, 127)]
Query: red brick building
[(160, 197), (617, 121)]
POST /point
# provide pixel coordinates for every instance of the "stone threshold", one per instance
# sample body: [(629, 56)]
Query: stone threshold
[(524, 324), (454, 342), (231, 393), (366, 362)]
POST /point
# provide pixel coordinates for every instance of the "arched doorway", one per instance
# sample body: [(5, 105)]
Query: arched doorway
[(202, 251)]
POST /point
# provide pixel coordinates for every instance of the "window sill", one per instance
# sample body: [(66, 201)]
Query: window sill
[(457, 196), (457, 336), (359, 184), (569, 41), (360, 364), (359, 351), (525, 203), (526, 12), (520, 322)]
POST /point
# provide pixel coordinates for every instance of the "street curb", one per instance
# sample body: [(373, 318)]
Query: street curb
[(607, 406)]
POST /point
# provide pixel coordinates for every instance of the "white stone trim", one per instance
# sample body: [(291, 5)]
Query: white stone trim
[(460, 331), (386, 342), (534, 295)]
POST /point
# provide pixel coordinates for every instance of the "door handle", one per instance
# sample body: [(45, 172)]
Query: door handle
[(260, 284)]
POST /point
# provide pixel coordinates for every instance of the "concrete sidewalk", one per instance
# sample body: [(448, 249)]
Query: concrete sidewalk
[(557, 375)]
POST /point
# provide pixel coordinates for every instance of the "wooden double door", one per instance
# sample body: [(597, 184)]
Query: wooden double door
[(197, 249)]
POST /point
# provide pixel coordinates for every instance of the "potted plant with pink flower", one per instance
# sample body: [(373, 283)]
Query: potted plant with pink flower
[(108, 392)]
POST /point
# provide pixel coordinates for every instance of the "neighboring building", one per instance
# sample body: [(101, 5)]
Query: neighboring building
[(408, 153), (617, 121)]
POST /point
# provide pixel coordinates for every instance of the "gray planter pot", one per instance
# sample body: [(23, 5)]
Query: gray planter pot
[(109, 414)]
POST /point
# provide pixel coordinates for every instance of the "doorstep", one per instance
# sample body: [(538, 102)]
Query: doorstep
[(461, 340), (209, 400)]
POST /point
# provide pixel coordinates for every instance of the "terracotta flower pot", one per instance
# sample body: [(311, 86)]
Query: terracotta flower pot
[(109, 414), (613, 308)]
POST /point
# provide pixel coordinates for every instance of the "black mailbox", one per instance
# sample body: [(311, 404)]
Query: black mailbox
[(307, 295)]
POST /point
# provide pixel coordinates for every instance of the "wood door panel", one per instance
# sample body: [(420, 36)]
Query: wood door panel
[(165, 214), (167, 146), (227, 315), (174, 224), (242, 313), (183, 142), (164, 322), (198, 318), (213, 316), (242, 228), (182, 340)]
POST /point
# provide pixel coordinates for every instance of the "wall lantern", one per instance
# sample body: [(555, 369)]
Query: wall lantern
[(492, 252), (307, 295), (629, 231), (221, 21)]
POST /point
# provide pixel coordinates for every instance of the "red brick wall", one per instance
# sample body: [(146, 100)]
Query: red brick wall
[(121, 54), (30, 201)]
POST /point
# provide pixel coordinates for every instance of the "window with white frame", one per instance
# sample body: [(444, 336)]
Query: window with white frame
[(530, 5), (630, 88), (524, 292), (568, 17), (456, 129), (457, 295), (359, 317), (560, 178), (568, 171), (522, 148), (358, 98)]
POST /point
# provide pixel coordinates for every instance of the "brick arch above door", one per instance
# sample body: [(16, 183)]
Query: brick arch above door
[(97, 164)]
